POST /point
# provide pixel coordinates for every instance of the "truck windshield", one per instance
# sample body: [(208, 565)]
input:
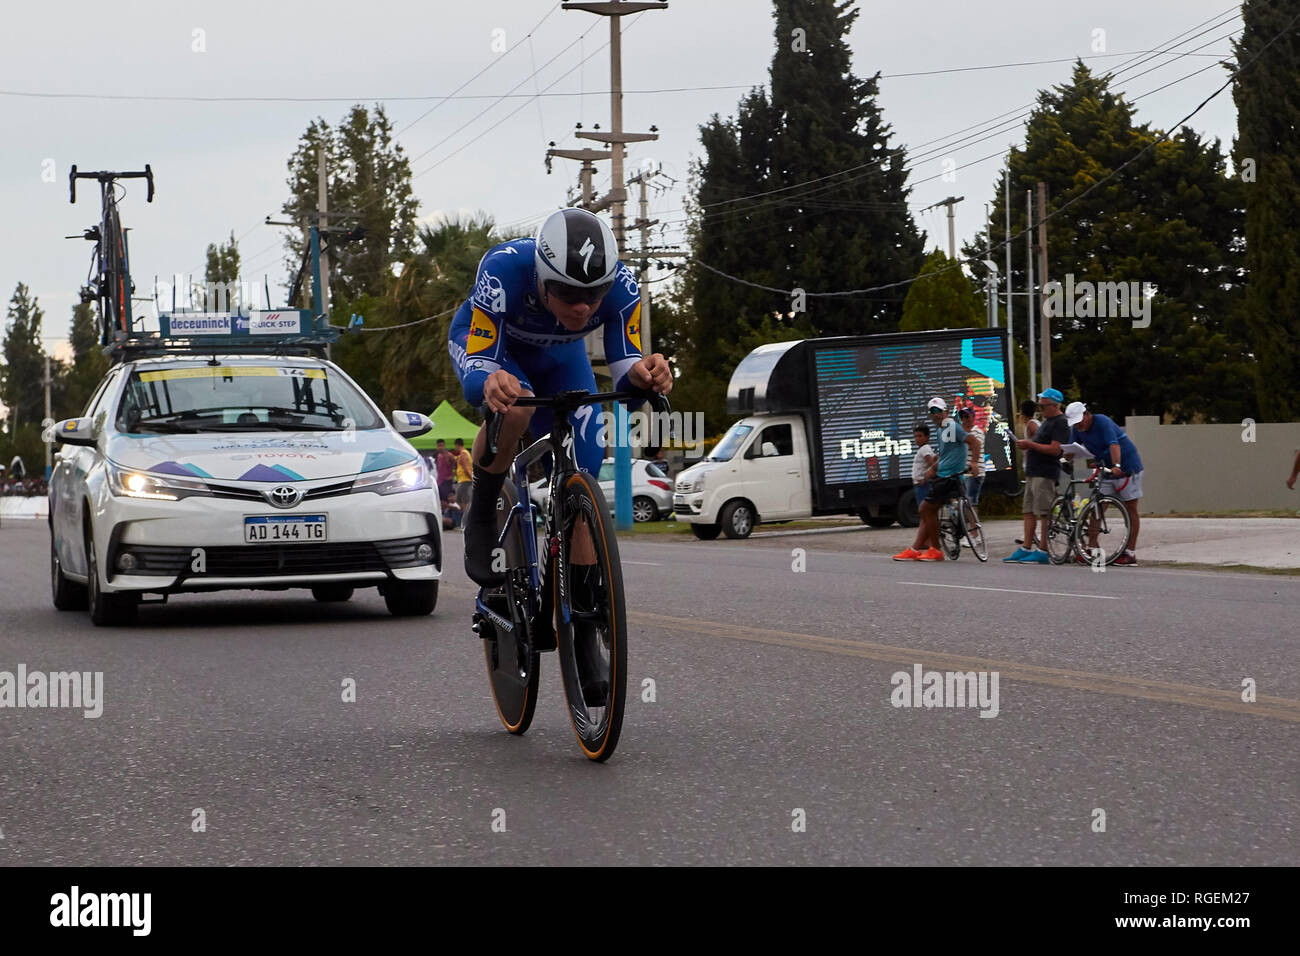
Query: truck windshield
[(241, 398), (731, 442)]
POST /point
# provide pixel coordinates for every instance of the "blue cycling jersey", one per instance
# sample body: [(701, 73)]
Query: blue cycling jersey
[(506, 319)]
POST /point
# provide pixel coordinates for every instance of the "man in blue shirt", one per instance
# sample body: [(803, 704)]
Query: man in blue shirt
[(1111, 448), (955, 451)]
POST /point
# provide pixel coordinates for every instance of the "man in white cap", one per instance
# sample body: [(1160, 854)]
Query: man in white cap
[(955, 451), (1110, 448)]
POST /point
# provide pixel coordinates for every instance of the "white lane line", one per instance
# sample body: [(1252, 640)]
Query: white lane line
[(971, 587), (653, 564)]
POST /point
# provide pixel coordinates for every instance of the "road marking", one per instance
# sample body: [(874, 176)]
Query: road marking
[(1114, 685), (651, 564), (786, 534), (971, 587)]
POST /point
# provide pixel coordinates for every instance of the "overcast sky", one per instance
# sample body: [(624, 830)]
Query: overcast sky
[(221, 166)]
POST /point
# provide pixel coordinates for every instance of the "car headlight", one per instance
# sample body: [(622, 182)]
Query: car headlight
[(128, 483), (698, 484), (412, 476)]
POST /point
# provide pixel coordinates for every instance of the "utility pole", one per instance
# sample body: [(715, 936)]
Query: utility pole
[(614, 200), (952, 228), (322, 206), (1045, 320), (988, 251), (1011, 329), (1029, 260), (49, 445)]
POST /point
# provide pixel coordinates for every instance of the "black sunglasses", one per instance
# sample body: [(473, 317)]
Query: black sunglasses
[(575, 295)]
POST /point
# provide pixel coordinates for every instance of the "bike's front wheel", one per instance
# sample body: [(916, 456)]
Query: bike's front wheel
[(592, 646), (512, 665), (1060, 531), (974, 530), (1108, 519)]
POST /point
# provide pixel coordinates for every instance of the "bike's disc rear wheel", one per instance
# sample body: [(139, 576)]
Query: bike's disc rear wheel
[(593, 649), (1060, 532), (1113, 529), (974, 531), (512, 669)]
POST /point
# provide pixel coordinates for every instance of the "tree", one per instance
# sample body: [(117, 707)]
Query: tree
[(89, 363), (23, 375), (368, 174), (943, 301), (410, 367), (221, 273), (800, 190), (1170, 220), (1267, 156)]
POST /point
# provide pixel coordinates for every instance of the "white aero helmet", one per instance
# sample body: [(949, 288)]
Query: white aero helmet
[(576, 256)]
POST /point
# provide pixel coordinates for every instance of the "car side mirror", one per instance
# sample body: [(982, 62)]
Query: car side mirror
[(73, 431), (411, 424)]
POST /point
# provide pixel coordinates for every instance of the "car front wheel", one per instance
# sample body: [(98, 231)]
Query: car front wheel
[(410, 598), (68, 595), (106, 610)]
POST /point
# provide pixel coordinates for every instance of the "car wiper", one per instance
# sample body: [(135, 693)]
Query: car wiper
[(165, 427)]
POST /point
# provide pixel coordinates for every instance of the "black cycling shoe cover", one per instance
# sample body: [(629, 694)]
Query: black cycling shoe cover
[(480, 541)]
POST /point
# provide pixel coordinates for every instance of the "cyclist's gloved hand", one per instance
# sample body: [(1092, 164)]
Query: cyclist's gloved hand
[(500, 390), (651, 374)]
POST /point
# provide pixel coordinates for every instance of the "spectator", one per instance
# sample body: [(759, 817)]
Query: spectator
[(451, 513), (661, 462), (1111, 448), (1295, 471), (954, 452), (975, 483), (923, 463), (464, 474), (445, 465), (1042, 471)]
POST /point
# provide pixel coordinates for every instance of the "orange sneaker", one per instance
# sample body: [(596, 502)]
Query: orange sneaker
[(931, 554), (908, 555)]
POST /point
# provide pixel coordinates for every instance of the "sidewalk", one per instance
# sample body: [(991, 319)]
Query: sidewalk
[(1272, 543)]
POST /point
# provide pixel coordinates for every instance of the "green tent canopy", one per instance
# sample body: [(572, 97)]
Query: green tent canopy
[(448, 424)]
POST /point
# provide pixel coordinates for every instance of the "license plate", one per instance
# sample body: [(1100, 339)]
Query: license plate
[(284, 529), (679, 499)]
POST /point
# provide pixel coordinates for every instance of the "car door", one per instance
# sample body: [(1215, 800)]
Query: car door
[(76, 461), (773, 472)]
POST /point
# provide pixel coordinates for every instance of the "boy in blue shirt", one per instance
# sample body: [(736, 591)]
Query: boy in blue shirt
[(1111, 448), (955, 451)]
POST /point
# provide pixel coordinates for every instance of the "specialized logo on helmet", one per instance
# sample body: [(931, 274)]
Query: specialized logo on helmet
[(546, 249), (284, 496), (482, 333), (588, 247)]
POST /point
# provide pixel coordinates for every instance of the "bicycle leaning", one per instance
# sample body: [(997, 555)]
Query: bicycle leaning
[(1095, 532), (959, 519), (537, 609)]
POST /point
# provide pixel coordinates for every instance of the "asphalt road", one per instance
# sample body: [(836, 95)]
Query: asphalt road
[(1118, 691)]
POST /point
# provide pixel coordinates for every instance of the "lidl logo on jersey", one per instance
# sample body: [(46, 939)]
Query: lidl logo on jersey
[(634, 327), (482, 333)]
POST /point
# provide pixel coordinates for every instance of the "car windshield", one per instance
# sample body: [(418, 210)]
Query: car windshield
[(731, 442), (241, 398)]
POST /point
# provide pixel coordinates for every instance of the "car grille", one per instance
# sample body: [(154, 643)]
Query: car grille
[(681, 508), (252, 494), (278, 560)]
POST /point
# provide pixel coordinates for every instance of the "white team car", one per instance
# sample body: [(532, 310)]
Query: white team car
[(189, 473)]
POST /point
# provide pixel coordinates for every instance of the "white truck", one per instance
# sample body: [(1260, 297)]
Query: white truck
[(828, 428)]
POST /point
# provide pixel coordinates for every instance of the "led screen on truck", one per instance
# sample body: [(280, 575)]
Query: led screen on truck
[(870, 397)]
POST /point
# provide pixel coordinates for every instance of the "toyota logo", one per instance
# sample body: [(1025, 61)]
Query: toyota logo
[(284, 496)]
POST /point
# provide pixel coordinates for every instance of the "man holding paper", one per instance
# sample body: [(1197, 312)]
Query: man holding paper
[(1110, 447)]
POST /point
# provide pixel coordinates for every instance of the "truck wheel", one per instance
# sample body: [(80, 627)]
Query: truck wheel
[(738, 519), (909, 513), (876, 521), (706, 532)]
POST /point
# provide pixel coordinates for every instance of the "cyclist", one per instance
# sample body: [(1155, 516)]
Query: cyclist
[(521, 332), (1113, 449)]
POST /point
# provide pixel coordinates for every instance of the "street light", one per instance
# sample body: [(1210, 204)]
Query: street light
[(990, 292)]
